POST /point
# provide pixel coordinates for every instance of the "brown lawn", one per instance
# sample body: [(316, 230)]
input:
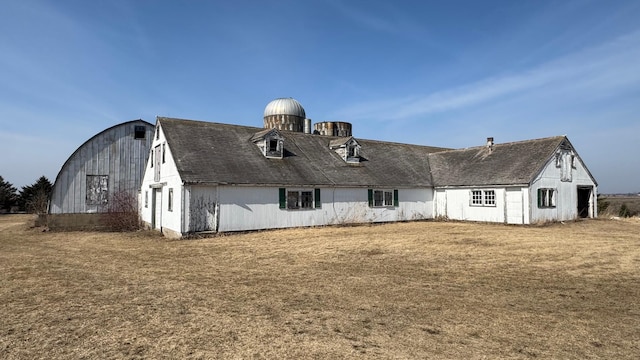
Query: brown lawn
[(437, 290)]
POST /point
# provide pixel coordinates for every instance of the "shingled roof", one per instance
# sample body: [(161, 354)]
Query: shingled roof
[(502, 164), (215, 153)]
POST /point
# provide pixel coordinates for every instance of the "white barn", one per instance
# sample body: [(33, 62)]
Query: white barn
[(212, 177), (521, 182)]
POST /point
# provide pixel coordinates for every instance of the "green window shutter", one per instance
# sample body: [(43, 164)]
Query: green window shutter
[(283, 198), (370, 194), (317, 199), (396, 201), (539, 198)]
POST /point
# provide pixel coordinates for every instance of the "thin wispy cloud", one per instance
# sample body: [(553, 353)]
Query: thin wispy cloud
[(393, 22), (594, 72)]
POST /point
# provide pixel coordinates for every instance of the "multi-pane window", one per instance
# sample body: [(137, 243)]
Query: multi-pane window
[(546, 198), (483, 198), (383, 198), (489, 198), (476, 197), (146, 199), (299, 199)]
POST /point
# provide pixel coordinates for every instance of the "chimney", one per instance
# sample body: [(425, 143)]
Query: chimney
[(490, 143)]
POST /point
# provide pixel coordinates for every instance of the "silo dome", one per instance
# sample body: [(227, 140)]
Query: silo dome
[(286, 114), (284, 106)]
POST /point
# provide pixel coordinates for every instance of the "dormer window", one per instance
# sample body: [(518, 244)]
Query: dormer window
[(273, 145), (347, 148), (270, 143), (351, 152)]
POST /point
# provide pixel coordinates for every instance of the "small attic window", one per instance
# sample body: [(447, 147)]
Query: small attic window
[(273, 145), (274, 148), (139, 132), (270, 143), (348, 149), (351, 151)]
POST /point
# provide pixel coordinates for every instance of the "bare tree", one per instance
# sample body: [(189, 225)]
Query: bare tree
[(122, 212)]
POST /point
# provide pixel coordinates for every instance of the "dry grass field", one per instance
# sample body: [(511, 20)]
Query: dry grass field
[(422, 290), (614, 203)]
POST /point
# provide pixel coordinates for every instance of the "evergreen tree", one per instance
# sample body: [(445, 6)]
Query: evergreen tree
[(35, 198), (8, 195)]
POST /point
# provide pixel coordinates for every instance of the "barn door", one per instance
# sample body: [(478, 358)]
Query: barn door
[(584, 201)]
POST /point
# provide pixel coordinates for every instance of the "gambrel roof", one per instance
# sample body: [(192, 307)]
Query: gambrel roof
[(501, 164), (215, 153)]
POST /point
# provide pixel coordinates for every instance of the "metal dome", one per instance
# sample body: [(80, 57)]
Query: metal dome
[(284, 106)]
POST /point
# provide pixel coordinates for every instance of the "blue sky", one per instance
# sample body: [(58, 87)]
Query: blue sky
[(440, 73)]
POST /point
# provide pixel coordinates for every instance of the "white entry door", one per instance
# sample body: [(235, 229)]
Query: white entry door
[(156, 209), (514, 206)]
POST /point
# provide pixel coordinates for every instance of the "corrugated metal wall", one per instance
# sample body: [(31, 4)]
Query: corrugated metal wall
[(116, 153)]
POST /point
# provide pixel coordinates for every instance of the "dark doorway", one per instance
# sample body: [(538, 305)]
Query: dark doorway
[(584, 197)]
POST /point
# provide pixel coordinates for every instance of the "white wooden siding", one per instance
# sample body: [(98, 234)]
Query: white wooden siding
[(169, 179), (251, 208), (566, 192), (455, 204)]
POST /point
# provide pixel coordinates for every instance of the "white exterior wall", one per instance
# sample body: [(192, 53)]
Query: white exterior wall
[(165, 220), (566, 192), (241, 208), (455, 204)]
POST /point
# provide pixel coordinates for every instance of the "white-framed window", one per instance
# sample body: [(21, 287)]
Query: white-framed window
[(383, 198), (489, 198), (299, 199), (146, 198), (170, 200), (483, 198), (476, 197), (547, 198)]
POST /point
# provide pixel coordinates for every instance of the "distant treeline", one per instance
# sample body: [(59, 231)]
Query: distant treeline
[(32, 198)]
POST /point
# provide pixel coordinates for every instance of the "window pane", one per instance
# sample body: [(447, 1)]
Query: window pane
[(293, 200), (307, 200), (388, 198), (489, 197), (476, 197), (378, 197)]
